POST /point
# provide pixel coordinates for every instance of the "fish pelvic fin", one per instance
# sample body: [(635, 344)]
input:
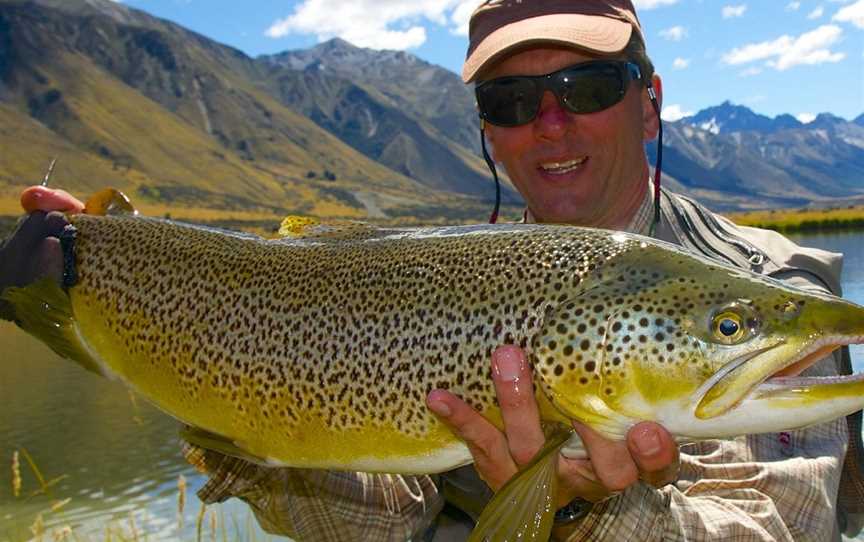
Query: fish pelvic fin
[(225, 446), (44, 310), (109, 201), (535, 488)]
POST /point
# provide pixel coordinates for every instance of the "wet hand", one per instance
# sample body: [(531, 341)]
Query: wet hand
[(33, 250), (649, 453)]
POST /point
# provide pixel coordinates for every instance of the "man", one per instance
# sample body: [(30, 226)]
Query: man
[(573, 145)]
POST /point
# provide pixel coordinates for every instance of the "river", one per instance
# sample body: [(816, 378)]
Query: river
[(119, 457)]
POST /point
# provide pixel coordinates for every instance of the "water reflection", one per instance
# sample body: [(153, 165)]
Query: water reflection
[(119, 455)]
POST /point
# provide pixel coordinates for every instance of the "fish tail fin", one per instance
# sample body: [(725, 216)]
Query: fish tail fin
[(44, 310), (535, 487)]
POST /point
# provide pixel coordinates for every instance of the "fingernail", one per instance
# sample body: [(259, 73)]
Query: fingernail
[(440, 408), (647, 441), (508, 364)]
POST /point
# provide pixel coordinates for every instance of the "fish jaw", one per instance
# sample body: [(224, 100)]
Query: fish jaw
[(779, 404), (824, 324)]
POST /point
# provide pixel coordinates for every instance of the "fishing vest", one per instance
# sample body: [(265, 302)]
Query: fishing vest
[(769, 253)]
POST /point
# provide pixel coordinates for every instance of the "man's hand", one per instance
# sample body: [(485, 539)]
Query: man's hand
[(649, 452), (33, 251)]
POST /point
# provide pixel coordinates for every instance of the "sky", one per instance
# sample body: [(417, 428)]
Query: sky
[(801, 57)]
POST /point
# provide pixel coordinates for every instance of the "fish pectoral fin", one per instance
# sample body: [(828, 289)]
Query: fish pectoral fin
[(304, 227), (44, 310), (109, 201), (211, 441), (535, 489)]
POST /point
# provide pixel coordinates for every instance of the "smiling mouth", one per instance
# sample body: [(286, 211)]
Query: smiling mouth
[(561, 168)]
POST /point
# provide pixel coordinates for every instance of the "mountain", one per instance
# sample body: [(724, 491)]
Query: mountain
[(419, 130), (728, 117), (749, 163), (202, 131), (127, 99)]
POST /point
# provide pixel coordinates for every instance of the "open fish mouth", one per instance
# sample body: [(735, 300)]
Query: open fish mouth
[(789, 376), (746, 378)]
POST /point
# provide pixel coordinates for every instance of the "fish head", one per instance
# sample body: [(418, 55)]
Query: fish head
[(665, 334)]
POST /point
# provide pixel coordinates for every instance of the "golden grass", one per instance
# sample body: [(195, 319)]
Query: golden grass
[(794, 220), (210, 522)]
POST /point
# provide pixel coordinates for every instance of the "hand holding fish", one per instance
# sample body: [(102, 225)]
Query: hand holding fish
[(649, 453), (33, 251)]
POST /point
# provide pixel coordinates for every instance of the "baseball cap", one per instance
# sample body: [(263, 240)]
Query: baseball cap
[(501, 26)]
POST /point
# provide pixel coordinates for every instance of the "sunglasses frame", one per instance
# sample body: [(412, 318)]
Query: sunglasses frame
[(554, 82)]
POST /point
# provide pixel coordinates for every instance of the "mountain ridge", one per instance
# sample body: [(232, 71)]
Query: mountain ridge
[(333, 130)]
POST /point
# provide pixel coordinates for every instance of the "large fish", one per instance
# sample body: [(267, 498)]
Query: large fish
[(317, 350)]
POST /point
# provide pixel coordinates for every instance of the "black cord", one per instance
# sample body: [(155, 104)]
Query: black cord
[(493, 218), (658, 171)]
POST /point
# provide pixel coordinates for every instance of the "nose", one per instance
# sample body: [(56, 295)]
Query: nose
[(552, 119)]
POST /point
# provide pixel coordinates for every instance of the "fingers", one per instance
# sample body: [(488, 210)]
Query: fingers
[(611, 460), (41, 198), (515, 391), (654, 452), (487, 444)]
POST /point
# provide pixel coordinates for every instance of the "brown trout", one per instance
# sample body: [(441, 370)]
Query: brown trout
[(317, 350)]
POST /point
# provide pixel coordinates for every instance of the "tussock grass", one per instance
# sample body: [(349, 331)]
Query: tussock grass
[(49, 525), (804, 220)]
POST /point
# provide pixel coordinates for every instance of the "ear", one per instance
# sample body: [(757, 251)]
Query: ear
[(650, 122)]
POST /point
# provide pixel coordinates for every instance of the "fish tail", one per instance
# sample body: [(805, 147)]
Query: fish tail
[(535, 488), (44, 310)]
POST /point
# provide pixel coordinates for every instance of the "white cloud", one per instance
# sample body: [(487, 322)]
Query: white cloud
[(675, 33), (751, 71), (816, 13), (462, 15), (680, 63), (853, 13), (793, 6), (674, 112), (734, 11), (651, 4), (805, 118), (786, 51), (377, 24)]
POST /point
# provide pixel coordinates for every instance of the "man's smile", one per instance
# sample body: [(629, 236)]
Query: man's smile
[(561, 168)]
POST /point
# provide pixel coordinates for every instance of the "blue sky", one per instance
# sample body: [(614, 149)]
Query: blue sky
[(801, 57)]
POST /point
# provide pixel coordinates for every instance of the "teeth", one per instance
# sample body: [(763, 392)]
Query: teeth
[(562, 167)]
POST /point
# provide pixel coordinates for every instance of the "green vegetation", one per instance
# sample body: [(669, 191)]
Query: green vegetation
[(804, 220)]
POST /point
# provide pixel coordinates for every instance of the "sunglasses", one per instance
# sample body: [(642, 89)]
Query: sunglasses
[(587, 87)]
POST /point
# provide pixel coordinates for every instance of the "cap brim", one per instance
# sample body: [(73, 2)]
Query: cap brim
[(601, 35)]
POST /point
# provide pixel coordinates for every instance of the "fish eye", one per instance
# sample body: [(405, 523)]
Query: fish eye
[(728, 328)]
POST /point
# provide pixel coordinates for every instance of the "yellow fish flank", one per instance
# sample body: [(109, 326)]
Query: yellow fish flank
[(318, 350)]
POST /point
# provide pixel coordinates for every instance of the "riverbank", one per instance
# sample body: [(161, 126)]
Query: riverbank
[(804, 220)]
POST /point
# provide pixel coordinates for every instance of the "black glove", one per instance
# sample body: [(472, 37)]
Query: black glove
[(32, 252)]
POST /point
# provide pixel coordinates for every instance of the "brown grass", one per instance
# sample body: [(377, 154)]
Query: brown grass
[(801, 220)]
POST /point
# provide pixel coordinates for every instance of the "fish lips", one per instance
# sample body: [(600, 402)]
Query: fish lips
[(736, 380)]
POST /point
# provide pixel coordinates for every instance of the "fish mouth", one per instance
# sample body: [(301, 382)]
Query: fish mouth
[(745, 375)]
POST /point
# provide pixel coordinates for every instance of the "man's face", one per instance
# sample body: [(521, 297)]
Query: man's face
[(586, 169)]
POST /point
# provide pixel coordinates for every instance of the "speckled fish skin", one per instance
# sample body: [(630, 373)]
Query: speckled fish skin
[(318, 352)]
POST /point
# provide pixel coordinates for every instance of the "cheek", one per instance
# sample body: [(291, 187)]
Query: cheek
[(507, 144)]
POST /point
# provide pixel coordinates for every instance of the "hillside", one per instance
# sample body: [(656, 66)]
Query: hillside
[(178, 121), (193, 128)]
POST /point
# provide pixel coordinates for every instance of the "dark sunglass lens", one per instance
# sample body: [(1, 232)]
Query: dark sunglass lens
[(508, 101), (593, 89)]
